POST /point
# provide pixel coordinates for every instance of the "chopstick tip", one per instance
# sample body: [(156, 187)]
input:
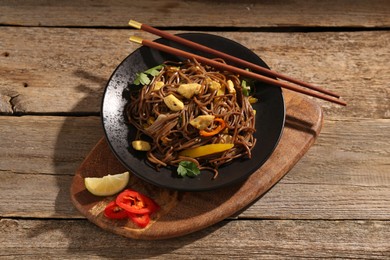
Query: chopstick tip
[(135, 24), (339, 101), (136, 39), (342, 102)]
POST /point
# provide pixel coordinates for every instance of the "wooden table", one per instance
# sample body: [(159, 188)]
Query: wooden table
[(55, 59)]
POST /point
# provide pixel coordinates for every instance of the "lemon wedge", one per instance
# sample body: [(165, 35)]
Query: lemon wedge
[(107, 185)]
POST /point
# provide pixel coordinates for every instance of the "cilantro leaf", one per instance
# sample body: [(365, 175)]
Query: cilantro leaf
[(187, 168)]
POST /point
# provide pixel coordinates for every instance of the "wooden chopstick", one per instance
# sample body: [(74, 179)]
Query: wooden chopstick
[(226, 56), (224, 66)]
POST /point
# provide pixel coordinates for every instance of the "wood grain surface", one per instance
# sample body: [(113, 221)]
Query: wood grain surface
[(243, 239), (55, 59), (75, 72), (174, 13)]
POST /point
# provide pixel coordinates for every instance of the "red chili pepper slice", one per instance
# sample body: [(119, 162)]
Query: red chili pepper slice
[(141, 220), (136, 203), (113, 211)]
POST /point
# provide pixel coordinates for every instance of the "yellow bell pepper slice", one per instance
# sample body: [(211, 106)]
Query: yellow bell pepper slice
[(205, 150)]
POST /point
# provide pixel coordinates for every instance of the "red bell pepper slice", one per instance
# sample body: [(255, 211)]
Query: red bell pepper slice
[(218, 129), (141, 220), (136, 203), (113, 211)]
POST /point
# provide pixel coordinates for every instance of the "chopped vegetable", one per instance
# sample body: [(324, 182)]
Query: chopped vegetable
[(248, 85), (187, 168), (213, 85), (203, 121), (133, 205), (158, 85), (140, 145), (206, 150), (154, 71), (246, 89), (141, 220), (252, 100), (221, 91), (216, 86), (173, 103), (136, 203), (113, 211), (189, 90), (231, 88), (143, 78), (215, 131)]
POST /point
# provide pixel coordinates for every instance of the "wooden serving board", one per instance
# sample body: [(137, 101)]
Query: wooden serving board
[(185, 212)]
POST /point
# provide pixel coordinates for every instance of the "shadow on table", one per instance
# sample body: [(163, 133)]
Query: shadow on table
[(79, 236)]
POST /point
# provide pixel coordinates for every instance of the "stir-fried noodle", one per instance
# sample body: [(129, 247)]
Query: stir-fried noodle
[(171, 130)]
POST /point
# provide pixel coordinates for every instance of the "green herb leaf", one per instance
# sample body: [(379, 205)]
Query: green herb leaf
[(155, 70), (143, 77), (137, 79), (247, 85), (246, 89), (187, 168)]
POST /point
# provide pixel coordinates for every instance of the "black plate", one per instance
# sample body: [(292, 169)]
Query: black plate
[(270, 116)]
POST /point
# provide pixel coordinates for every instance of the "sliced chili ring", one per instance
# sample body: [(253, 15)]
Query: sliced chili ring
[(141, 220), (113, 211), (136, 203)]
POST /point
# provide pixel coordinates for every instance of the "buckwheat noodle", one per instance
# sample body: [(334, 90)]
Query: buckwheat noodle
[(172, 133)]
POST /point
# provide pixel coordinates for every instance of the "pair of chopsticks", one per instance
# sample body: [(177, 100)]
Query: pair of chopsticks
[(311, 90)]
